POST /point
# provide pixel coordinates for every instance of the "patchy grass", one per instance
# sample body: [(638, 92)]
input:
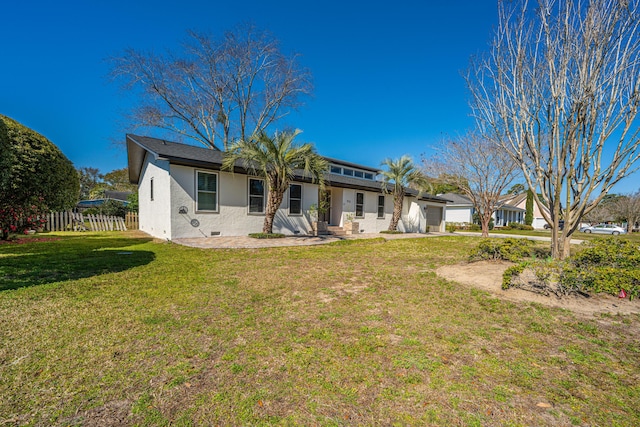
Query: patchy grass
[(102, 329)]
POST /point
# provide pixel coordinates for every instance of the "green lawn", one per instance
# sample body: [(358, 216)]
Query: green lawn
[(111, 329)]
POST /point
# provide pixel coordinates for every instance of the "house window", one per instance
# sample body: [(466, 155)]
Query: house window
[(359, 174), (368, 175), (295, 199), (380, 206), (256, 195), (359, 205), (336, 169), (207, 194), (348, 172), (151, 189)]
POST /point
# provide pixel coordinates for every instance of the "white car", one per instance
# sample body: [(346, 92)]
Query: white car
[(604, 229)]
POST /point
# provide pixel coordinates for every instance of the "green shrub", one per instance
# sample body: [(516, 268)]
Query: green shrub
[(518, 226), (528, 216), (35, 177), (511, 273), (451, 227), (474, 227), (266, 235), (608, 252), (391, 232), (510, 249), (606, 265), (476, 220)]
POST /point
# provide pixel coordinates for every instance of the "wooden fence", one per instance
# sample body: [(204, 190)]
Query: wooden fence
[(131, 220), (73, 221)]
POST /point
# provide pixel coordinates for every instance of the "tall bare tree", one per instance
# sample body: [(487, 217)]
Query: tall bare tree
[(627, 208), (479, 167), (215, 91), (560, 90)]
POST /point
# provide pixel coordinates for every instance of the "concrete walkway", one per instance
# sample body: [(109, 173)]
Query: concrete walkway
[(246, 242)]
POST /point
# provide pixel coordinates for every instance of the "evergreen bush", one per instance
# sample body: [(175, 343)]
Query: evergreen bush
[(35, 177)]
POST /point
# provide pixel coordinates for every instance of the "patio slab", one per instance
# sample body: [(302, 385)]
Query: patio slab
[(246, 242)]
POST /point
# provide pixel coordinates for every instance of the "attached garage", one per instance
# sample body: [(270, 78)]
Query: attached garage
[(434, 218)]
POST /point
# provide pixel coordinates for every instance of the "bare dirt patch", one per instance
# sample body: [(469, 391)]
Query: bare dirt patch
[(487, 275)]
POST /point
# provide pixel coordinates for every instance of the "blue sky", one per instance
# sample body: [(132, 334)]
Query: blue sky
[(387, 75)]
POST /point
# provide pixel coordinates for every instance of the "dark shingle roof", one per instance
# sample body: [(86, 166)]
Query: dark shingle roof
[(189, 155), (457, 199)]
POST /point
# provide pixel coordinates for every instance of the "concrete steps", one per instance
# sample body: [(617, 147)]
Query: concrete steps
[(336, 230)]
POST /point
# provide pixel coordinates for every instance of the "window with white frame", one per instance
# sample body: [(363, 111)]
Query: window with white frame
[(381, 206), (359, 205), (151, 188), (207, 194), (256, 195), (295, 199)]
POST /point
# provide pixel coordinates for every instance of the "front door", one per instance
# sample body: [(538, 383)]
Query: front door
[(324, 211)]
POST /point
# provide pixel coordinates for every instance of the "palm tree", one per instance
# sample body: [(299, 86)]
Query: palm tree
[(401, 173), (276, 160)]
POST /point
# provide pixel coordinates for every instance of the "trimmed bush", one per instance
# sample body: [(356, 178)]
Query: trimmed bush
[(510, 249), (518, 226), (35, 177), (266, 235)]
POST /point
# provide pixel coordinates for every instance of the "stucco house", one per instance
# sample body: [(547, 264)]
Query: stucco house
[(182, 192), (460, 209)]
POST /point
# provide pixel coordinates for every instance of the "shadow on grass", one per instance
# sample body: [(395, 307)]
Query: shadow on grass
[(68, 258)]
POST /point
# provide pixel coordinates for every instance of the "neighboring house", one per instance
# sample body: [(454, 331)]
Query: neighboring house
[(520, 201), (183, 192), (460, 209)]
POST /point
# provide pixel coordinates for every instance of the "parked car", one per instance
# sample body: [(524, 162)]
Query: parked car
[(547, 226), (604, 229)]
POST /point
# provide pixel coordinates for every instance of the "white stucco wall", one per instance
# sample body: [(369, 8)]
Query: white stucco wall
[(286, 223), (175, 187), (412, 220), (232, 217), (370, 223), (155, 214)]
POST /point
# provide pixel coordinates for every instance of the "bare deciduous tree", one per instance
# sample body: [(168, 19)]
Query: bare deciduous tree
[(627, 208), (560, 90), (479, 167), (215, 91)]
